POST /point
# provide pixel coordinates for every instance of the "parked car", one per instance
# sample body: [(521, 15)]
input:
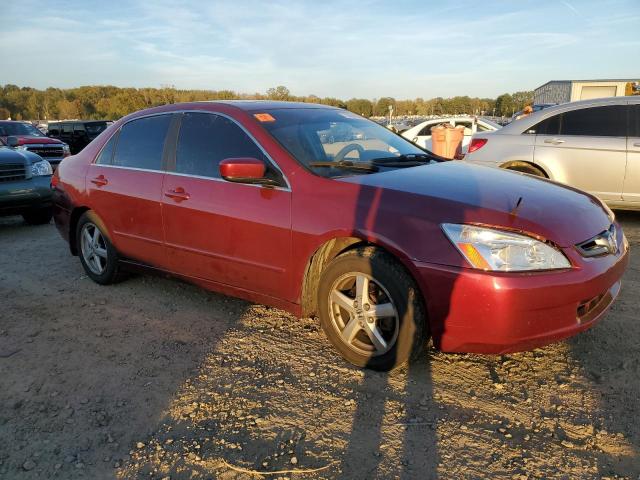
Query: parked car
[(379, 239), (421, 133), (77, 134), (593, 145), (33, 140), (25, 184)]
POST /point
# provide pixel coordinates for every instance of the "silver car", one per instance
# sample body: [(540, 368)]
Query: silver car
[(593, 145)]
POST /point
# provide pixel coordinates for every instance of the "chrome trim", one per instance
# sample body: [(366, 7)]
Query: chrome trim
[(216, 179), (253, 139), (604, 243), (129, 168)]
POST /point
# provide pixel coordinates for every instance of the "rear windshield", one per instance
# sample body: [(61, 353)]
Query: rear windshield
[(328, 135)]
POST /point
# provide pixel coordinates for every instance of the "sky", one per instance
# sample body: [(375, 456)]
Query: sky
[(365, 48)]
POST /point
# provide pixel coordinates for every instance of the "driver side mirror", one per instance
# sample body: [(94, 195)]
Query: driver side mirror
[(13, 141), (245, 170)]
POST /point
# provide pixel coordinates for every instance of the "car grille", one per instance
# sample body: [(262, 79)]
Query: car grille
[(10, 172), (47, 152)]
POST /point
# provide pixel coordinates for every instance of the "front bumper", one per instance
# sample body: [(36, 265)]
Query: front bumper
[(23, 195), (488, 312)]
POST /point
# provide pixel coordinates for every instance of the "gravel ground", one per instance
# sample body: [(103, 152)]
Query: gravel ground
[(153, 378)]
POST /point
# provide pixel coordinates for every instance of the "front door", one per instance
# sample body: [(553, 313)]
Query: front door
[(586, 148), (230, 233), (125, 188)]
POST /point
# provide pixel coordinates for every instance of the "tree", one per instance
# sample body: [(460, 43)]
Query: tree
[(382, 106), (505, 105), (361, 106), (278, 93)]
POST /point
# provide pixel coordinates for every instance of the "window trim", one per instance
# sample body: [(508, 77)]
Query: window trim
[(169, 157)]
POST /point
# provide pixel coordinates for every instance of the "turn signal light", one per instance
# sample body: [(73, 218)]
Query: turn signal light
[(477, 144)]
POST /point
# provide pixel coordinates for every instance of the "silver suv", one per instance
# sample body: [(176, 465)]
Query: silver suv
[(593, 145)]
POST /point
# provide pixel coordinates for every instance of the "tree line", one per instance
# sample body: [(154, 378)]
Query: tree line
[(111, 103)]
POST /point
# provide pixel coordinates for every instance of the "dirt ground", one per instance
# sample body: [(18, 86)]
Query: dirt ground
[(153, 378)]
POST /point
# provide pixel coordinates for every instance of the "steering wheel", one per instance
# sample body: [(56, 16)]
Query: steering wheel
[(347, 149)]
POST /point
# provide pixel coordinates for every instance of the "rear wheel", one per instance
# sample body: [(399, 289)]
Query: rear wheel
[(370, 309), (525, 167), (97, 255), (38, 217)]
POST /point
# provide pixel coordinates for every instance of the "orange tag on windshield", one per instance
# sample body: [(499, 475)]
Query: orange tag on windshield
[(264, 117)]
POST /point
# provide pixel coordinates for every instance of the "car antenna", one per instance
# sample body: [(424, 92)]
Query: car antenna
[(514, 212)]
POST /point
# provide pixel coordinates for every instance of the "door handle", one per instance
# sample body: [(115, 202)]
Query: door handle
[(178, 194), (554, 141), (100, 181), (637, 144)]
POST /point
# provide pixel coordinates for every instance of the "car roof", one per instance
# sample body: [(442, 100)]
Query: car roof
[(253, 105), (523, 124)]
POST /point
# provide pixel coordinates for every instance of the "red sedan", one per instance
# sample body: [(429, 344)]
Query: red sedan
[(382, 241)]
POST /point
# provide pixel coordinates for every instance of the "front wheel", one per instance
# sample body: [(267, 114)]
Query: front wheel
[(371, 310)]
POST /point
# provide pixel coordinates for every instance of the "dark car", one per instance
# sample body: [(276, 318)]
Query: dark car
[(25, 184), (382, 241), (31, 139), (77, 134)]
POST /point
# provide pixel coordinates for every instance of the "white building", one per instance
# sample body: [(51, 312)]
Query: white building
[(561, 91)]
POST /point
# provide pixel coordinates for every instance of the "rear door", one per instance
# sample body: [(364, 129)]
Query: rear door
[(79, 138), (230, 233), (631, 191), (125, 188), (585, 148)]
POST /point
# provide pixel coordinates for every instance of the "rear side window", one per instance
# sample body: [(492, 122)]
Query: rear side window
[(106, 154), (54, 129), (78, 128), (66, 128), (206, 139), (141, 143), (426, 131), (607, 121)]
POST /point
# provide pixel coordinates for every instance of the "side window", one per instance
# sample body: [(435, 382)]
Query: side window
[(66, 128), (548, 126), (78, 129), (106, 154), (634, 121), (205, 139), (426, 131), (54, 129), (141, 143), (608, 121)]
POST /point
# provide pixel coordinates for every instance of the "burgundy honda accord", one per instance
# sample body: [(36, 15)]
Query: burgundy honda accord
[(323, 213)]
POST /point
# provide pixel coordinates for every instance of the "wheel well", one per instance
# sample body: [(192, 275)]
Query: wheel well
[(73, 223), (320, 259), (521, 164)]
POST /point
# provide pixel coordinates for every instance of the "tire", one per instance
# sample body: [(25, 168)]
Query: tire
[(524, 167), (379, 343), (98, 256), (38, 217)]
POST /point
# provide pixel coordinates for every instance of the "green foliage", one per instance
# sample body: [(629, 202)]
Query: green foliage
[(110, 103)]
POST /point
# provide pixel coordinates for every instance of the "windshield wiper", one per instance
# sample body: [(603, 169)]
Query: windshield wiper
[(408, 160), (347, 165)]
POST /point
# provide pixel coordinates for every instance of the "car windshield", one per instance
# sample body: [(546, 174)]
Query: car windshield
[(19, 129), (337, 142), (95, 128)]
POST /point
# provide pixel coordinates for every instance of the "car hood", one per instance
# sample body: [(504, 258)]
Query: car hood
[(456, 192), (8, 155)]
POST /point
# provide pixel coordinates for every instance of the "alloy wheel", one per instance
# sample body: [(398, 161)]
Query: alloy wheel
[(363, 314), (93, 248)]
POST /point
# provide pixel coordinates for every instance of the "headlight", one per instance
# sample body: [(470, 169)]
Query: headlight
[(490, 249), (65, 149), (41, 168)]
